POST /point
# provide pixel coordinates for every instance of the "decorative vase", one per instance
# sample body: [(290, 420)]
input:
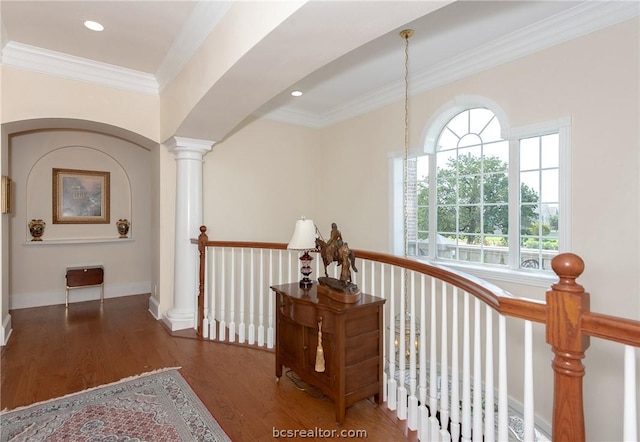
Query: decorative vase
[(36, 227), (123, 227)]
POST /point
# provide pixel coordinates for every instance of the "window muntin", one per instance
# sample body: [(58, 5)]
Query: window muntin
[(472, 188), (539, 200), (472, 174)]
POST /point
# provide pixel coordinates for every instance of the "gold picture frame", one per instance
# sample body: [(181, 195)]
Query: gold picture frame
[(6, 194), (81, 196)]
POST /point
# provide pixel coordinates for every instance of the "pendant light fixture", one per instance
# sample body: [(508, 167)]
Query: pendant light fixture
[(404, 323)]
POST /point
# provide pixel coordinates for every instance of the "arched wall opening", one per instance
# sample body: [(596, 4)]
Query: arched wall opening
[(35, 269)]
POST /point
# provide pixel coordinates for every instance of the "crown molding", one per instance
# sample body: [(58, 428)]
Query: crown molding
[(204, 17), (583, 19), (36, 59)]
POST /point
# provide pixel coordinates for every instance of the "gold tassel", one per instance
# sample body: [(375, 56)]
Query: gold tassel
[(320, 351)]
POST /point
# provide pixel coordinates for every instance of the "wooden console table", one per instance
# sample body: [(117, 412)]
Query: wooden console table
[(80, 277), (351, 342)]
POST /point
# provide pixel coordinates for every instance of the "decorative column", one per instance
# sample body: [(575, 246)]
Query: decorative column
[(189, 153)]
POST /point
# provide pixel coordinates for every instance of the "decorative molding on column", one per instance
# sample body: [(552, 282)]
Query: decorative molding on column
[(182, 144), (189, 153)]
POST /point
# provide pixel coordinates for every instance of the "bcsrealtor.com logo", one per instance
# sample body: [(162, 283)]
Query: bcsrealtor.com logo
[(319, 433)]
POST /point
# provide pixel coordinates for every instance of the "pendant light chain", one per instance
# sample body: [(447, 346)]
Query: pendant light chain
[(406, 34)]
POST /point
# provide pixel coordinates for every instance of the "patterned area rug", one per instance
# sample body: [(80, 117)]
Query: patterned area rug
[(158, 406)]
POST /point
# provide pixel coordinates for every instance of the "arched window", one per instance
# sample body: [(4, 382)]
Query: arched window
[(489, 196), (472, 188)]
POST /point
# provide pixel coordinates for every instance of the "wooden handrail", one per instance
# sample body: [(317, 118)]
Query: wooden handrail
[(611, 328), (490, 294), (569, 323)]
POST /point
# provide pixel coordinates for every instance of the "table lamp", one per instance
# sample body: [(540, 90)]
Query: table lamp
[(304, 240)]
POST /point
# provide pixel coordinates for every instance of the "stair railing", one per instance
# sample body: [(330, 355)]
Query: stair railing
[(445, 336)]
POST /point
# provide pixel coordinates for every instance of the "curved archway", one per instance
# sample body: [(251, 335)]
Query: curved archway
[(20, 126), (34, 147)]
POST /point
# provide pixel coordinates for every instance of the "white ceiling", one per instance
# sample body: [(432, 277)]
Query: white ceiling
[(154, 39)]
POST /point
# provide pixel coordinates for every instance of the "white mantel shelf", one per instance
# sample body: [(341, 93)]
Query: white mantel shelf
[(57, 242)]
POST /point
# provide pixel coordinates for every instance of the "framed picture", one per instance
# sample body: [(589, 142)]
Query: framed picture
[(80, 197)]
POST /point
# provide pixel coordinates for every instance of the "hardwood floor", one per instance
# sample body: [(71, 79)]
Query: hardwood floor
[(53, 351)]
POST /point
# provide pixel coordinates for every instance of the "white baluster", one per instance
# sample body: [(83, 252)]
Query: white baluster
[(489, 410), (402, 351), (466, 371), (412, 421), (385, 353), (423, 412), (503, 398), (455, 369), (232, 297), (271, 301), (205, 324), (207, 301), (528, 382), (630, 420), (362, 276), (252, 297), (261, 290), (392, 384), (434, 428), (223, 291), (477, 374), (212, 293), (373, 289), (444, 366), (241, 326)]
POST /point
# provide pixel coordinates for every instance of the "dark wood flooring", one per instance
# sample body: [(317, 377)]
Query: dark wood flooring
[(54, 351)]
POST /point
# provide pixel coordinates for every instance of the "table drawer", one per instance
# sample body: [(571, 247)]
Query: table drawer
[(85, 276)]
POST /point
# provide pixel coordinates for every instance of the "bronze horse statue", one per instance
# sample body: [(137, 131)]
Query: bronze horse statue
[(339, 252)]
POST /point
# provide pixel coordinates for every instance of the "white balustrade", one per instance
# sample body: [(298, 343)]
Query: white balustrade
[(436, 344), (630, 419)]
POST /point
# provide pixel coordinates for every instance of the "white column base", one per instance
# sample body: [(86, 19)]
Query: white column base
[(179, 320)]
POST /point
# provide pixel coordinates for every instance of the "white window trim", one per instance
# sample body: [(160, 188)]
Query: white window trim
[(512, 273), (562, 126)]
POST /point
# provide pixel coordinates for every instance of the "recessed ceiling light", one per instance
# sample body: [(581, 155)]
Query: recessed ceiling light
[(296, 93), (93, 25)]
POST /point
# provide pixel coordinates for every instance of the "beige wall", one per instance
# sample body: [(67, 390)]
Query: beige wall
[(5, 319), (37, 268), (261, 179), (29, 95)]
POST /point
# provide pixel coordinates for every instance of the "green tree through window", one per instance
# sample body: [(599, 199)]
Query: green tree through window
[(479, 189)]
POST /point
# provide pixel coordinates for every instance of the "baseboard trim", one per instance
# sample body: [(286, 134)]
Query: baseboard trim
[(5, 331), (28, 300), (154, 307)]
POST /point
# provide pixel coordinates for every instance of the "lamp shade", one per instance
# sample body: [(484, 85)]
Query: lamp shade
[(304, 236)]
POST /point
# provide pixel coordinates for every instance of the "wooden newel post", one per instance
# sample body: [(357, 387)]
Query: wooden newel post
[(202, 250), (566, 303)]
